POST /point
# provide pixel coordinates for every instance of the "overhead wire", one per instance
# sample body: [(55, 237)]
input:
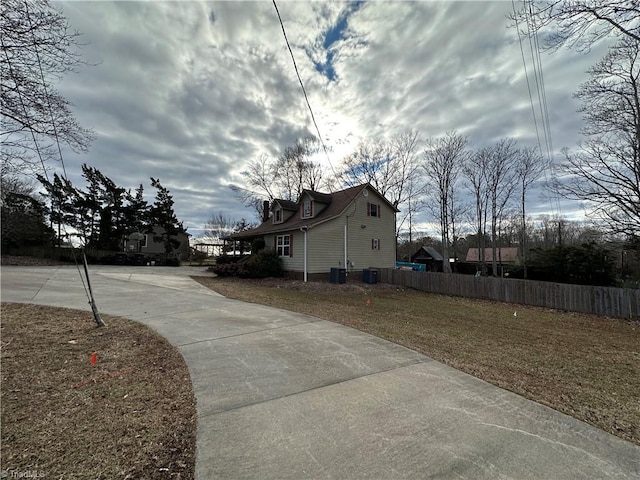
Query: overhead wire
[(545, 125), (538, 84), (86, 286), (304, 91), (324, 147), (526, 75), (543, 94)]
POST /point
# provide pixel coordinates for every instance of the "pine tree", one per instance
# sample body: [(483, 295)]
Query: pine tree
[(24, 222), (163, 216), (62, 202)]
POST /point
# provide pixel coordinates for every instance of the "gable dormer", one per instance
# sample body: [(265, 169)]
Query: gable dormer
[(312, 203), (282, 210), (307, 207)]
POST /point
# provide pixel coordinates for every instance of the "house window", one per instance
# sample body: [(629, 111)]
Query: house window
[(375, 244), (283, 245), (277, 216), (143, 242), (307, 209), (373, 210)]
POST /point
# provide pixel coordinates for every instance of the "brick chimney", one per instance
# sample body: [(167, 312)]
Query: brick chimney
[(265, 210)]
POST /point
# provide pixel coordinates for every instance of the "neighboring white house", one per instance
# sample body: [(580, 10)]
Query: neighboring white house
[(352, 228)]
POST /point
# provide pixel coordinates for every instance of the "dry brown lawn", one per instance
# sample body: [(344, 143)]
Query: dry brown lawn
[(130, 415), (585, 366)]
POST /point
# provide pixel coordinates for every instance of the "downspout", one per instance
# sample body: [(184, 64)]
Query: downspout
[(346, 229), (346, 225), (304, 230)]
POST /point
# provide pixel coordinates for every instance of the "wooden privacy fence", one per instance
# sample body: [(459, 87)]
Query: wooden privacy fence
[(614, 302)]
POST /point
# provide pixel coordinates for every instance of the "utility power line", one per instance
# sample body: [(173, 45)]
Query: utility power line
[(304, 91), (87, 285)]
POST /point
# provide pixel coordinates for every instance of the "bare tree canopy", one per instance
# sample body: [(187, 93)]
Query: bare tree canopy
[(492, 176), (284, 177), (579, 23), (390, 166), (444, 160), (38, 48), (530, 167), (219, 226), (474, 172), (605, 171)]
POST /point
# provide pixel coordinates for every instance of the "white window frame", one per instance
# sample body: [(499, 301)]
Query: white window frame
[(307, 208), (277, 215), (143, 242), (283, 245), (375, 244)]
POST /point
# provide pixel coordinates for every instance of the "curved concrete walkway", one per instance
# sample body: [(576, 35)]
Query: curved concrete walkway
[(284, 395)]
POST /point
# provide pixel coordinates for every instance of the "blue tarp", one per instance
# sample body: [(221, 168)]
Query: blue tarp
[(418, 267)]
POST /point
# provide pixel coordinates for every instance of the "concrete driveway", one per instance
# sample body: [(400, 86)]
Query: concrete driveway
[(285, 395)]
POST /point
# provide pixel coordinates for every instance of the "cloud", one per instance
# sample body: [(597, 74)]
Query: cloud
[(191, 91)]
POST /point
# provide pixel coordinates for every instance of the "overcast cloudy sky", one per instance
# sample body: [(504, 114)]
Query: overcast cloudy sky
[(191, 91)]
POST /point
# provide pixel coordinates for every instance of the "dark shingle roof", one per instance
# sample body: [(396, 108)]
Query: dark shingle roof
[(337, 202), (287, 204), (432, 252), (319, 197)]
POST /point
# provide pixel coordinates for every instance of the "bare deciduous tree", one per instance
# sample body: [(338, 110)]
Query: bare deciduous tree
[(294, 171), (38, 48), (220, 225), (530, 167), (475, 171), (491, 173), (605, 171), (444, 160), (390, 167), (405, 146), (580, 23), (285, 177), (501, 183)]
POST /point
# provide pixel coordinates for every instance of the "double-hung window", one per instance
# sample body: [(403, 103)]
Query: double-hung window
[(307, 209), (283, 245), (373, 210)]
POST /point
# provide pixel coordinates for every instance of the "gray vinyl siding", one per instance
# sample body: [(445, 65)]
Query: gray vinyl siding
[(361, 255), (325, 242), (325, 246), (294, 263)]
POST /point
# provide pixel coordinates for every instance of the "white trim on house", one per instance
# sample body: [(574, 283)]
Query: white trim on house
[(339, 232), (278, 217), (307, 208), (283, 245)]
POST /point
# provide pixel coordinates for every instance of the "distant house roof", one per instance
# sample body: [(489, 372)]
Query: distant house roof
[(504, 255), (286, 204), (336, 202), (426, 252)]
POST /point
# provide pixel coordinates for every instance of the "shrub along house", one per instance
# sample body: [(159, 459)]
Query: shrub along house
[(352, 229)]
